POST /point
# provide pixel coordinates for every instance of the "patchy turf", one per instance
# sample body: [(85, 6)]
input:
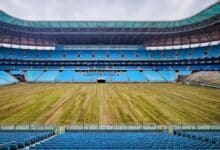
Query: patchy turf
[(109, 104)]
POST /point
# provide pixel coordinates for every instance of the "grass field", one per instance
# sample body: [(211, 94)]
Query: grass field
[(109, 104)]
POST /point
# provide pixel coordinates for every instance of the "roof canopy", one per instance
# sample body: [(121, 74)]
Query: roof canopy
[(200, 28), (206, 14)]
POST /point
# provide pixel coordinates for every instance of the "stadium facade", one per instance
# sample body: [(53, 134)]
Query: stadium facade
[(108, 51)]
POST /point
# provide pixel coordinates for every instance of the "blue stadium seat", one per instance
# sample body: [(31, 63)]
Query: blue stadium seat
[(44, 55), (17, 72), (157, 55), (93, 76), (120, 77), (154, 76), (83, 77), (30, 55), (136, 76), (108, 76), (7, 78), (100, 55), (211, 138), (4, 82), (56, 55), (169, 75), (33, 75), (184, 72), (120, 140), (86, 55), (71, 55), (48, 76), (213, 51), (18, 139), (189, 53), (144, 55), (170, 54), (199, 52), (129, 55), (65, 76), (114, 55)]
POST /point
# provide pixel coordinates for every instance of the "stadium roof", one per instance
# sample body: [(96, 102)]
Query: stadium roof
[(200, 28), (206, 14)]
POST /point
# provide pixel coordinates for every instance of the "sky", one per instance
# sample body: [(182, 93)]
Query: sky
[(142, 10)]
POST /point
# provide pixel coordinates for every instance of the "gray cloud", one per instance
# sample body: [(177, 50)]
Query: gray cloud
[(103, 9)]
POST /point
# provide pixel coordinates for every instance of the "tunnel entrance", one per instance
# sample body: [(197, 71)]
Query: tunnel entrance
[(101, 80)]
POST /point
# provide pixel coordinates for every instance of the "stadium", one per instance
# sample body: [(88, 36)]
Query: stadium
[(110, 84)]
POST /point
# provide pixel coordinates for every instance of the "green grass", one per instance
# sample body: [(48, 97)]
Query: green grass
[(109, 104)]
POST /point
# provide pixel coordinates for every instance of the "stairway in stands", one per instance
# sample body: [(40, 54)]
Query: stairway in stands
[(19, 75)]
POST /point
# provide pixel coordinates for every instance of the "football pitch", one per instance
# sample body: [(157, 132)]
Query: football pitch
[(152, 103)]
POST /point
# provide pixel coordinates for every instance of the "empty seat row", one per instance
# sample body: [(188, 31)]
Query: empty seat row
[(17, 139), (108, 76), (101, 139), (121, 140), (212, 137), (214, 67), (6, 78), (193, 53)]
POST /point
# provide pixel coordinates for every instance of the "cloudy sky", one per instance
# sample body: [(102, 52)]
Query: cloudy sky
[(103, 9)]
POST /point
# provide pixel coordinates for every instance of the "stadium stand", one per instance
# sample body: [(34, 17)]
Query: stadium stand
[(65, 76), (81, 77), (14, 72), (133, 65), (204, 78), (120, 77), (136, 76), (58, 54), (47, 76), (211, 137), (60, 65), (125, 140), (184, 72), (3, 82), (170, 76), (114, 76), (6, 78), (130, 51), (17, 139), (154, 76), (32, 76)]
